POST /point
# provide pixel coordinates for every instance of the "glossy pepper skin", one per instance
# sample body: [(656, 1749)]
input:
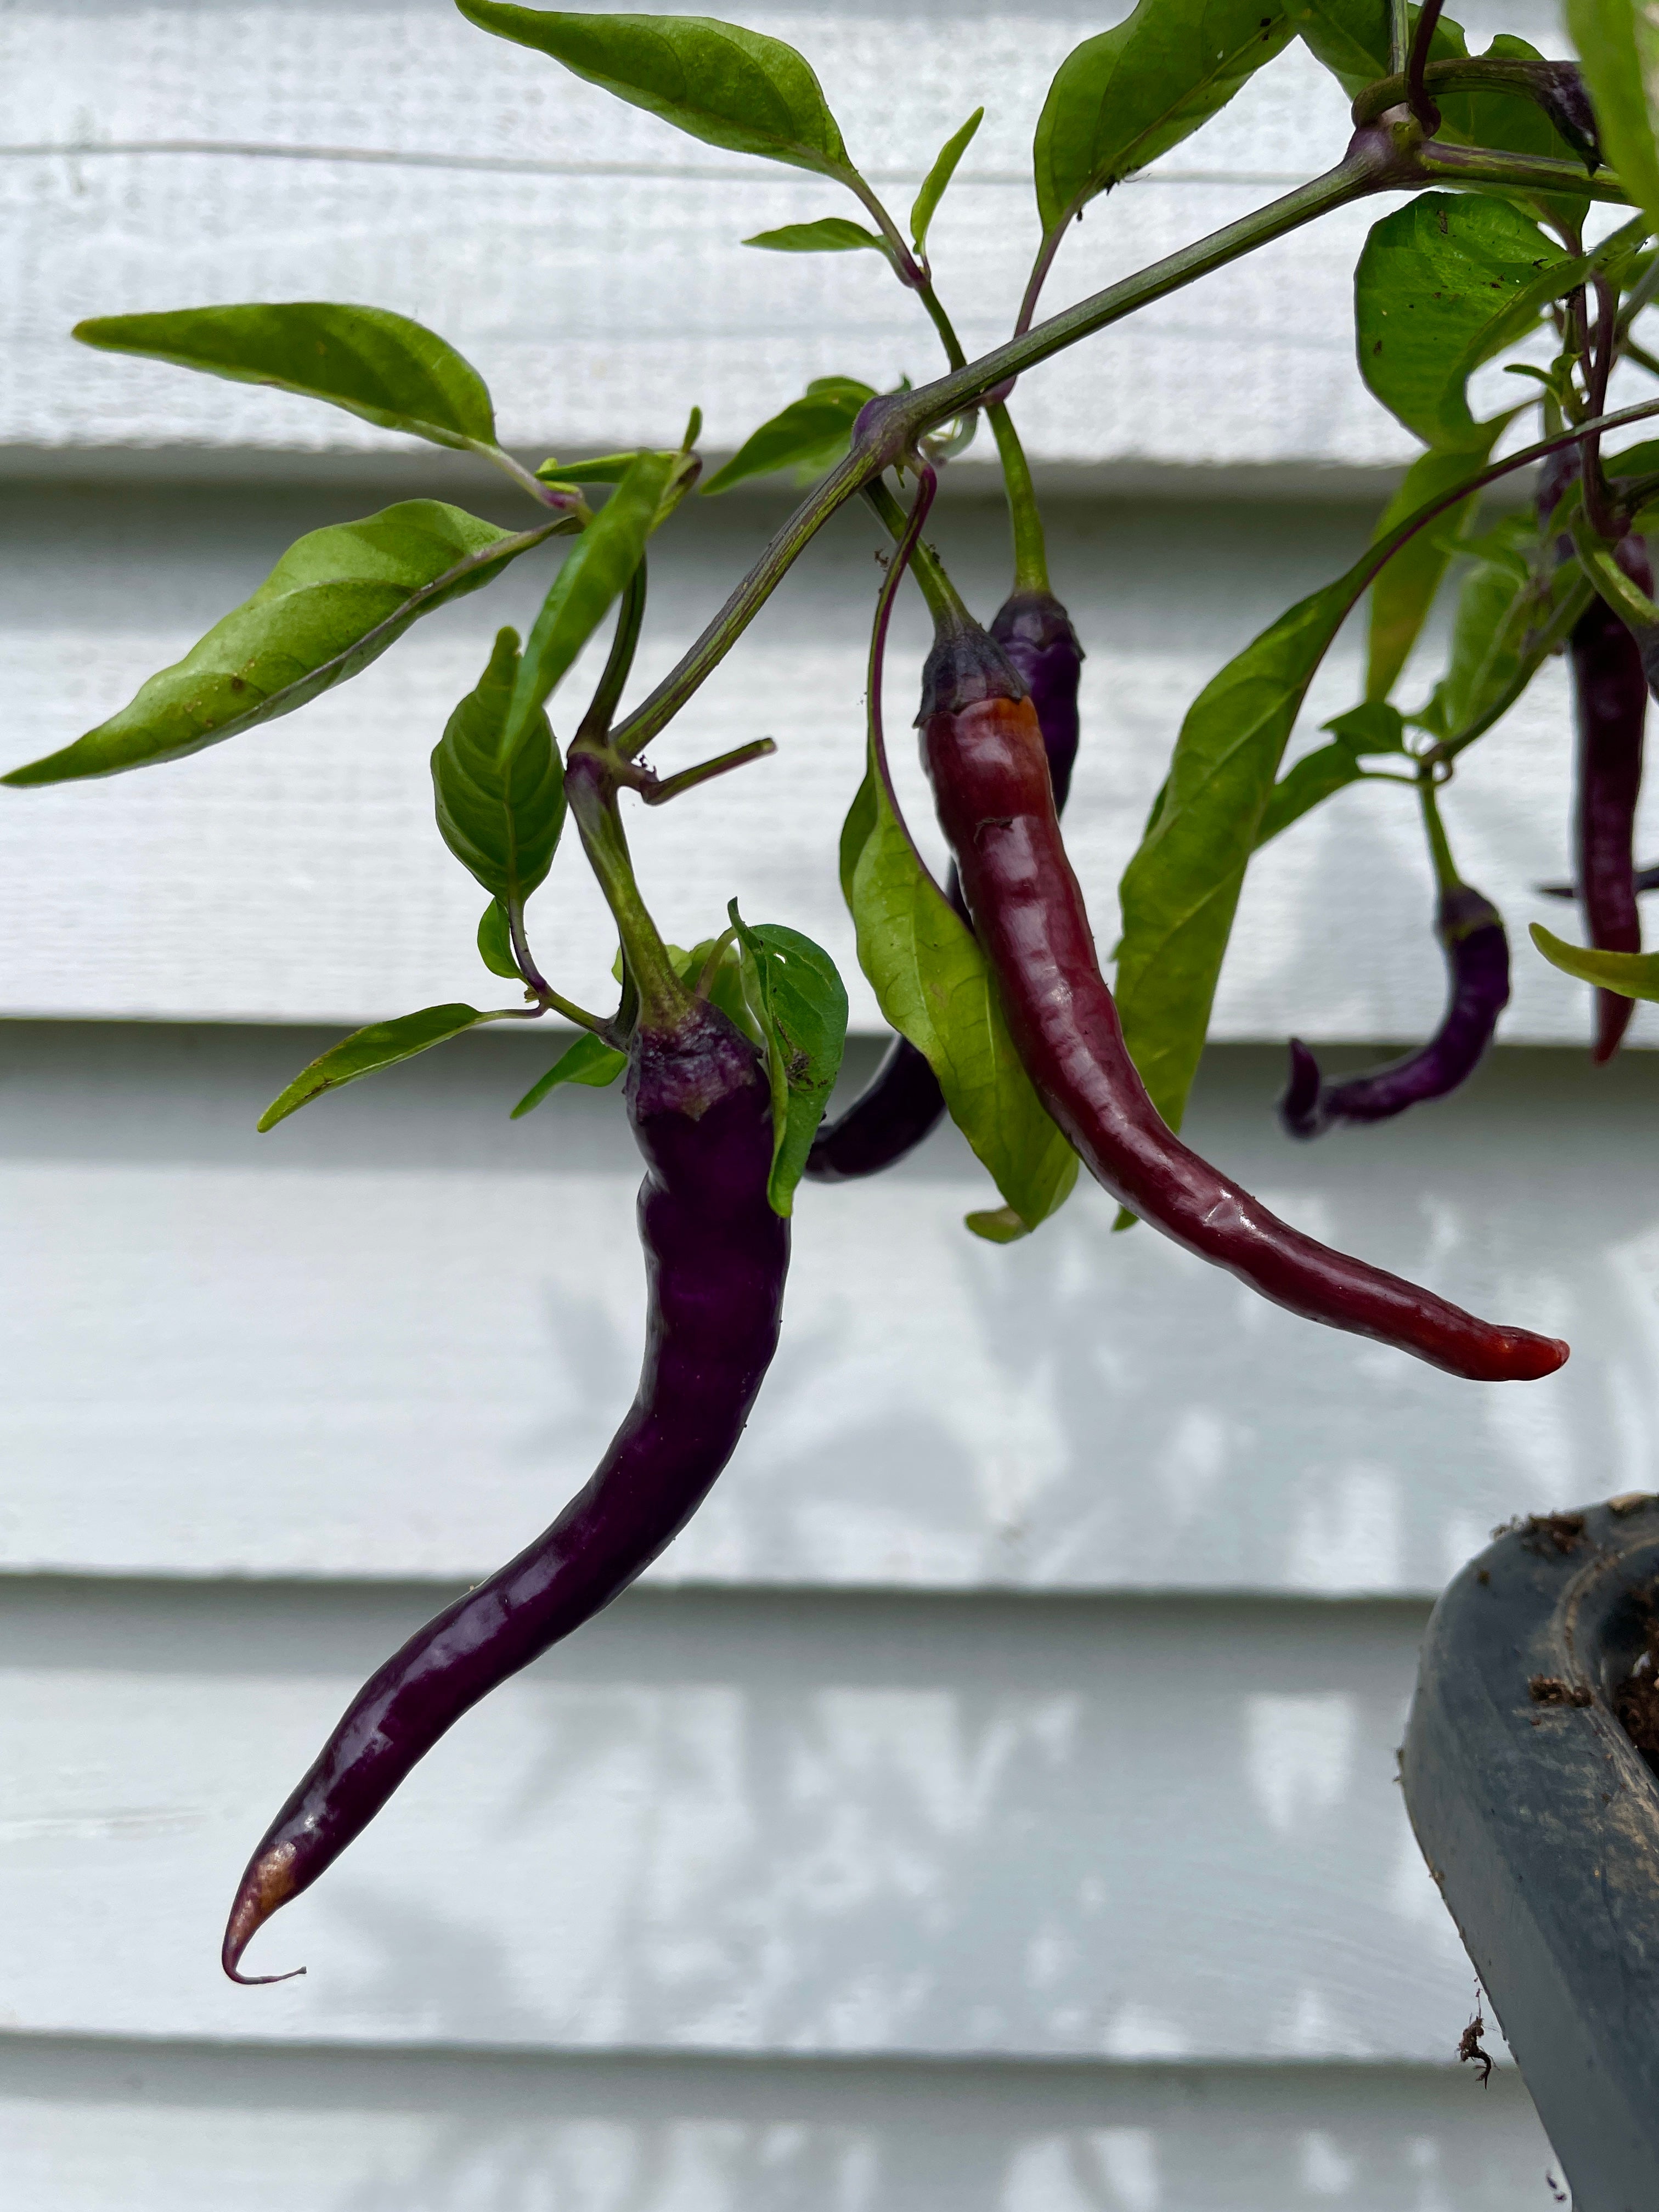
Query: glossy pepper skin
[(716, 1256), (983, 752), (1471, 933), (901, 1103), (1610, 699)]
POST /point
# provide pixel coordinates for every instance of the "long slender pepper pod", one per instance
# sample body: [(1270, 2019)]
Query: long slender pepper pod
[(1471, 936), (983, 752), (901, 1103), (1610, 701), (716, 1255)]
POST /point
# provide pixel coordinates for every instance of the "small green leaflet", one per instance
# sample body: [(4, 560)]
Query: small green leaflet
[(809, 436), (1632, 975), (832, 234), (934, 987), (1124, 97), (606, 468), (382, 1044), (1444, 283), (726, 86), (499, 812), (495, 942), (1618, 42), (801, 1002), (589, 1060), (592, 576), (374, 363), (333, 603), (1404, 593), (1371, 727), (937, 180)]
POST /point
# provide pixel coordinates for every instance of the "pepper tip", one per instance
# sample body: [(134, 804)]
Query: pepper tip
[(268, 1883)]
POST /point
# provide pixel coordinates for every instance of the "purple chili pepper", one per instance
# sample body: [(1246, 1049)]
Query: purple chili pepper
[(716, 1255), (901, 1103), (1471, 933), (1610, 704)]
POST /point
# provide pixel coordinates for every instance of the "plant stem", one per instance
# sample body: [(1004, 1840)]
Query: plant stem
[(1445, 868), (1417, 95), (1380, 158), (563, 502), (1527, 173), (1024, 516), (590, 780), (909, 538), (942, 323), (943, 602), (1598, 509), (1399, 35), (905, 265), (656, 790), (596, 722)]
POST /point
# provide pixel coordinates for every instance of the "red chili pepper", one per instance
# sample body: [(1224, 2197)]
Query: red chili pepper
[(1610, 701), (901, 1103), (716, 1255), (983, 752)]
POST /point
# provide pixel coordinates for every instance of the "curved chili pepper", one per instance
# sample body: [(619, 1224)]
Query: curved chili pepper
[(901, 1103), (1610, 701), (1471, 933), (716, 1255), (983, 752)]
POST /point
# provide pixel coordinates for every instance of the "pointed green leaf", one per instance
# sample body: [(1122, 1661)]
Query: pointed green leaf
[(1618, 44), (605, 468), (802, 1004), (1632, 975), (590, 578), (495, 942), (726, 86), (1124, 97), (1443, 284), (500, 812), (1181, 890), (1404, 593), (1371, 727), (1316, 777), (588, 1060), (382, 366), (333, 603), (382, 1044), (1503, 605), (935, 182), (809, 436), (832, 233), (934, 987)]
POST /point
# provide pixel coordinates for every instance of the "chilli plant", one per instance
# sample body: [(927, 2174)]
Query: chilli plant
[(1532, 205)]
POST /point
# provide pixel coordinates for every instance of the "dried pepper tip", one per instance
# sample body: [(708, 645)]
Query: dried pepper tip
[(269, 1882), (1298, 1107)]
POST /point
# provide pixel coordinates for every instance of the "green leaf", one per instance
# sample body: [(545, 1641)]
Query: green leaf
[(1504, 598), (588, 1060), (938, 178), (382, 1044), (1618, 44), (606, 468), (809, 436), (1371, 727), (1181, 890), (592, 576), (802, 1004), (383, 366), (1404, 593), (1632, 975), (935, 988), (832, 234), (1314, 778), (726, 86), (333, 603), (1443, 284), (1124, 97), (495, 942), (500, 811), (1351, 38)]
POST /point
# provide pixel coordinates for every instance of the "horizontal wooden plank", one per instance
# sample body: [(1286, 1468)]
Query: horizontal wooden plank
[(740, 1823), (393, 1337), (295, 873), (167, 2129), (630, 294)]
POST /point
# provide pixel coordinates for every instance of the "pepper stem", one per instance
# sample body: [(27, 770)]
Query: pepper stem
[(945, 602), (1440, 852), (1024, 516), (665, 1001)]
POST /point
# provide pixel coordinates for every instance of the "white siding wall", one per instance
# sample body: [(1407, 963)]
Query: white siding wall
[(989, 1803)]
